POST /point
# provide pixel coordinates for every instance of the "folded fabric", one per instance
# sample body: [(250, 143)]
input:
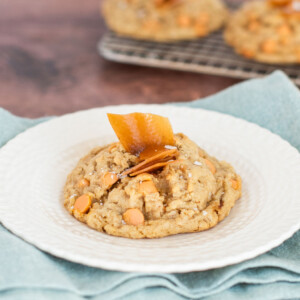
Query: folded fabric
[(28, 273)]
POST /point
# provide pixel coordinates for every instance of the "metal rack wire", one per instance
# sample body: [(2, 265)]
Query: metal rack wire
[(208, 55)]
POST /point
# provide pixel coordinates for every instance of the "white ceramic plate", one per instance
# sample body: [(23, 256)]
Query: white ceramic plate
[(35, 164)]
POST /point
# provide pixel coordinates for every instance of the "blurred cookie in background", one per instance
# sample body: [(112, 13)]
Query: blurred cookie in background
[(164, 20), (266, 31)]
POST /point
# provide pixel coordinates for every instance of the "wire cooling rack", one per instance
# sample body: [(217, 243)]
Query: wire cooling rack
[(208, 55)]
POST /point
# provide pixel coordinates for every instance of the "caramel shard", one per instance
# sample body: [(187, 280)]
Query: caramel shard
[(152, 151), (280, 2), (139, 131), (152, 167), (161, 157)]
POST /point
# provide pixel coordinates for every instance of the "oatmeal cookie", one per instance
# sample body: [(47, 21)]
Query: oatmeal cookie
[(192, 193), (164, 20), (266, 31)]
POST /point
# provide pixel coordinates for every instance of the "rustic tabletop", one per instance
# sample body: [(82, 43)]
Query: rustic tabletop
[(49, 63)]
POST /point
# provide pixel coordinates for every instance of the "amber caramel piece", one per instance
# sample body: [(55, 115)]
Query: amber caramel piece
[(151, 152), (152, 168), (279, 2), (158, 158), (138, 131)]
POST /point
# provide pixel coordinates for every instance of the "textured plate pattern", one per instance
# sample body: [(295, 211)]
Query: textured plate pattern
[(34, 167)]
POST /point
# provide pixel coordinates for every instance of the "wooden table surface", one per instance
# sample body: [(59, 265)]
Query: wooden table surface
[(49, 64)]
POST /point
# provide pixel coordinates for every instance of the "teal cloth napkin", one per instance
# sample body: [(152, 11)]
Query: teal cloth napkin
[(28, 273)]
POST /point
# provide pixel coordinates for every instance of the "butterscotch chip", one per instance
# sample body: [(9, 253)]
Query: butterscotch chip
[(248, 53), (83, 183), (109, 178), (284, 30), (184, 21), (269, 46), (235, 184), (133, 216), (147, 187), (254, 26), (83, 203), (201, 30)]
